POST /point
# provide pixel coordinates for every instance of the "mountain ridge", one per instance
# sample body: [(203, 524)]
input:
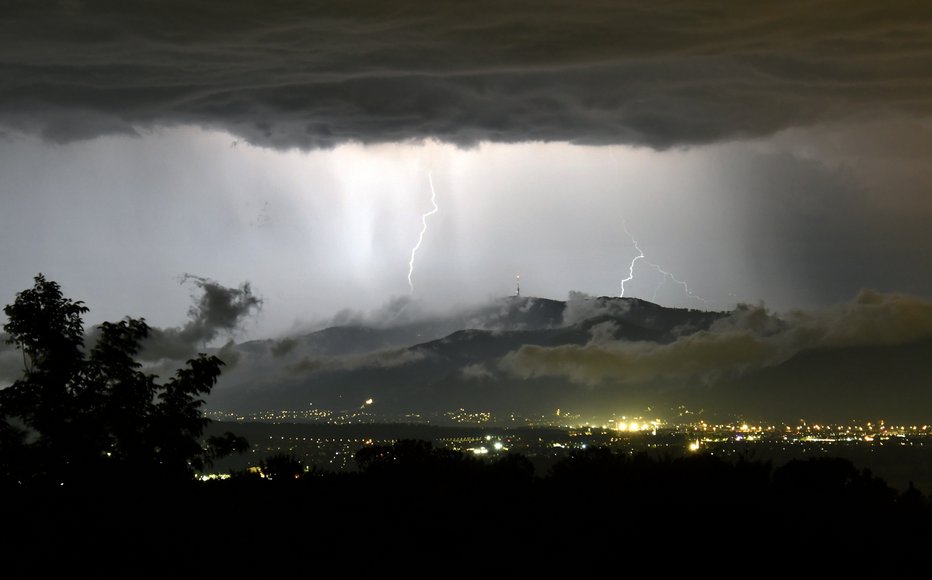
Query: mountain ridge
[(593, 356)]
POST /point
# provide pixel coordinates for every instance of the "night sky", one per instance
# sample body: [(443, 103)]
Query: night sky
[(773, 155)]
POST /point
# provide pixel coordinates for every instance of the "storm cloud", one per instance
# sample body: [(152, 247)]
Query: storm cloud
[(217, 311), (580, 306), (291, 73), (750, 338)]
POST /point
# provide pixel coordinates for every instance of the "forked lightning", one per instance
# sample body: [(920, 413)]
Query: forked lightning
[(420, 238)]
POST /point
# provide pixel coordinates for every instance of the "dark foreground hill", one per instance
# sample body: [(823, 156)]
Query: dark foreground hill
[(417, 511)]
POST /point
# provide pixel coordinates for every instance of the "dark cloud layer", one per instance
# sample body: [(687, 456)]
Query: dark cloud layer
[(218, 311), (288, 73)]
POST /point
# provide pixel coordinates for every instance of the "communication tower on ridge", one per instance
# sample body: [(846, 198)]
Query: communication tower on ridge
[(517, 285)]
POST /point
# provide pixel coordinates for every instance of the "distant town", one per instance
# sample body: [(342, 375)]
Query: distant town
[(327, 440)]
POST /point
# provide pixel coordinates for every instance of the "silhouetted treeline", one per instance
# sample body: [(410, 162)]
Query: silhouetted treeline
[(419, 510), (87, 416)]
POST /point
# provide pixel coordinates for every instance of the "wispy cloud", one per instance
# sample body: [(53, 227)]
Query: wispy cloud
[(750, 338)]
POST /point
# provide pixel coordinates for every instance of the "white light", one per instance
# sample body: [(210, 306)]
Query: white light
[(636, 258), (433, 200)]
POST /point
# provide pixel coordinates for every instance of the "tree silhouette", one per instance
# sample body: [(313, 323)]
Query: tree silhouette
[(282, 467), (74, 418)]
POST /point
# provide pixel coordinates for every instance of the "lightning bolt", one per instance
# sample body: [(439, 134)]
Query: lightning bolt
[(420, 238), (664, 274), (633, 261), (678, 281)]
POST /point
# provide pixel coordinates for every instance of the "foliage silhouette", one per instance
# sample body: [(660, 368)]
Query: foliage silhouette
[(76, 418), (414, 459), (282, 467), (414, 506)]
